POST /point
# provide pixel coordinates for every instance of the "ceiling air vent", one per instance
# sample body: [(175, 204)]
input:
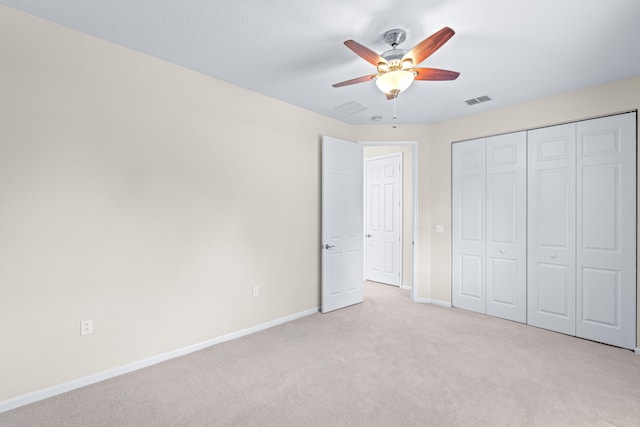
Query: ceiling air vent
[(478, 100), (351, 108)]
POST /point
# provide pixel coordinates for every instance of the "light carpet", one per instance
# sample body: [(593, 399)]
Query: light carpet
[(386, 362)]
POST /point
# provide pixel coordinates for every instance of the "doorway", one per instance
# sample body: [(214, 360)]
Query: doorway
[(408, 150), (342, 224)]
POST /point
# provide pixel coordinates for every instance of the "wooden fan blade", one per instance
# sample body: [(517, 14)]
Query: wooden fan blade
[(428, 46), (365, 53), (354, 81), (434, 74)]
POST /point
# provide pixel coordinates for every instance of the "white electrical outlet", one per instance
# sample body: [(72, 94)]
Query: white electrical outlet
[(256, 291), (86, 327)]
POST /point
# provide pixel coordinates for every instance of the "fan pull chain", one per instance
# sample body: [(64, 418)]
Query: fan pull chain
[(395, 115)]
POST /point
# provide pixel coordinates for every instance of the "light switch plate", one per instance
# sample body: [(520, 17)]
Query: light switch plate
[(439, 228)]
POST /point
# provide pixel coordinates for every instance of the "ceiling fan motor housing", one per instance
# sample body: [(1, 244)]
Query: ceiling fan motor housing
[(394, 54), (394, 57), (395, 37)]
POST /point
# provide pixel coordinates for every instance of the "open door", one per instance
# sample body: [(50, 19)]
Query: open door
[(342, 223)]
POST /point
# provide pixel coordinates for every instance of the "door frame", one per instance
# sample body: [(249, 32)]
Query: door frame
[(414, 199)]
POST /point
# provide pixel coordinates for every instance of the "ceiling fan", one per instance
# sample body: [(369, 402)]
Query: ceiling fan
[(396, 67)]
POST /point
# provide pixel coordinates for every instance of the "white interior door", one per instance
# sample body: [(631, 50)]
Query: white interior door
[(507, 226), (551, 284), (468, 219), (384, 219), (606, 244), (342, 243)]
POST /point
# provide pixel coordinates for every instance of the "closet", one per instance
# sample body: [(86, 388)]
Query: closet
[(544, 228), (489, 213)]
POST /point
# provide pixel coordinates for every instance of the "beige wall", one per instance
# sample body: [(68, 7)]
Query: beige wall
[(137, 193), (144, 196)]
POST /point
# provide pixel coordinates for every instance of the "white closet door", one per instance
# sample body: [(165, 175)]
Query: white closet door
[(506, 255), (551, 290), (468, 218), (606, 244)]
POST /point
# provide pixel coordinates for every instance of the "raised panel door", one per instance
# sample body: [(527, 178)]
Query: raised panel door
[(606, 244), (468, 230), (342, 224), (384, 219), (551, 285), (506, 280)]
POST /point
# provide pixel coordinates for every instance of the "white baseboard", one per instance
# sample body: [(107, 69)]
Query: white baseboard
[(433, 301), (101, 376)]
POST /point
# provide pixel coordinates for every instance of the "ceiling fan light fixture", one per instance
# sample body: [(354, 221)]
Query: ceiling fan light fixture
[(383, 67), (407, 63), (394, 82)]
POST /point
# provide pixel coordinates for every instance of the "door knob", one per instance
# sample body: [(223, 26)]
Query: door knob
[(501, 251), (553, 256), (368, 235), (328, 246)]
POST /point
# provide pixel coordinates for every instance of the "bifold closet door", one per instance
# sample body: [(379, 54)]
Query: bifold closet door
[(506, 226), (489, 226), (544, 228), (468, 219), (606, 230), (551, 236), (582, 229)]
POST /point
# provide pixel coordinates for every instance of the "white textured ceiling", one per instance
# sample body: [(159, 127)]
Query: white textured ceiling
[(511, 50)]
